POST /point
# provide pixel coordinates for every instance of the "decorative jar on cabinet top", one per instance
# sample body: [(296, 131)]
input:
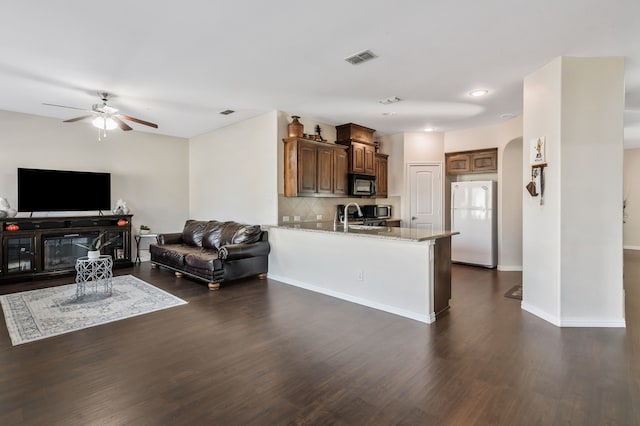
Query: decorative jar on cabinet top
[(296, 128)]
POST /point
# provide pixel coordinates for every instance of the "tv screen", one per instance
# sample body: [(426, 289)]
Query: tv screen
[(61, 190)]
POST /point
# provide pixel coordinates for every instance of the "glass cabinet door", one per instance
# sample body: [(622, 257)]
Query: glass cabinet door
[(61, 251), (118, 247), (19, 254)]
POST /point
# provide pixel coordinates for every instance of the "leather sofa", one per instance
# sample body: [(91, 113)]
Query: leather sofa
[(213, 251)]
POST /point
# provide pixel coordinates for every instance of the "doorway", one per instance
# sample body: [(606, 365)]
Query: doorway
[(424, 196)]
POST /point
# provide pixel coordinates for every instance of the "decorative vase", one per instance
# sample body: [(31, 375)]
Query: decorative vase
[(296, 128), (93, 254)]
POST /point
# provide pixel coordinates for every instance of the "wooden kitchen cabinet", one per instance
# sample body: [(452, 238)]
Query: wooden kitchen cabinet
[(340, 172), (307, 168), (458, 164), (381, 166), (314, 169), (325, 169), (362, 158), (478, 161), (362, 153), (485, 161)]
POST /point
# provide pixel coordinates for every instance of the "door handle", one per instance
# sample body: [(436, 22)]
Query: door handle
[(414, 218)]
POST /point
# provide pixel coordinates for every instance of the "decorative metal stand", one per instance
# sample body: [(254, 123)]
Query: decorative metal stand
[(95, 273)]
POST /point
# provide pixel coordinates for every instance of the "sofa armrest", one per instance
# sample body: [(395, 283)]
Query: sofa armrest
[(242, 251), (174, 238)]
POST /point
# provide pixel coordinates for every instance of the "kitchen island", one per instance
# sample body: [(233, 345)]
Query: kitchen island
[(403, 271)]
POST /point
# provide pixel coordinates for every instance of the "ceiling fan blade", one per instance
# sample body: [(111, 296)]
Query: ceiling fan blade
[(137, 120), (64, 106), (71, 120), (124, 126)]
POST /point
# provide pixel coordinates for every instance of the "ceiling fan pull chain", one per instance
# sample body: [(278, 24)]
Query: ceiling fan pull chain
[(104, 123)]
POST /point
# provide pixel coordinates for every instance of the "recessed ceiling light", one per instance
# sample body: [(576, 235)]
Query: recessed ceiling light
[(429, 129), (507, 116), (391, 100), (389, 113), (478, 93)]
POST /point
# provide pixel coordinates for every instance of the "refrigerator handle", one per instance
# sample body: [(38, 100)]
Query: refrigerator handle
[(453, 221)]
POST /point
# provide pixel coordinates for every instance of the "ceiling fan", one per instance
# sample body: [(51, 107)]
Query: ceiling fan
[(105, 116)]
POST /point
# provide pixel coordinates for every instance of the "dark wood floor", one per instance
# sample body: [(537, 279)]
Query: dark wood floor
[(266, 353)]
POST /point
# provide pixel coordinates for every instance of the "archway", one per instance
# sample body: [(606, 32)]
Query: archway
[(510, 255)]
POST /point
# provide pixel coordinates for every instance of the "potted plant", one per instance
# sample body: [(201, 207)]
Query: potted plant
[(96, 244), (144, 229)]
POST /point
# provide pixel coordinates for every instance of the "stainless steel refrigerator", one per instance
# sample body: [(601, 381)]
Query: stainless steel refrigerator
[(474, 214)]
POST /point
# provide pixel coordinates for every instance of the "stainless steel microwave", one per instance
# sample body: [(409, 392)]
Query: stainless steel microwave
[(362, 184), (377, 211)]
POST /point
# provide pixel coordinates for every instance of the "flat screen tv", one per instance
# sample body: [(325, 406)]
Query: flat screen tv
[(42, 190)]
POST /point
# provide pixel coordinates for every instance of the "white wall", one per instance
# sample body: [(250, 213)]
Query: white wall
[(498, 135), (510, 258), (631, 194), (592, 137), (427, 147), (393, 145), (509, 169), (149, 172), (572, 247), (541, 224), (233, 172)]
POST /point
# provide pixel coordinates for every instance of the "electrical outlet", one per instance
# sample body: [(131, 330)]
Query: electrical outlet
[(360, 275), (285, 218), (296, 218)]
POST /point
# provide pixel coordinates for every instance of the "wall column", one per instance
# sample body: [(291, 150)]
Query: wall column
[(572, 245)]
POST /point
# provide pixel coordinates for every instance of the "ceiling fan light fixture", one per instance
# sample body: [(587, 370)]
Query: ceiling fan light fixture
[(104, 123)]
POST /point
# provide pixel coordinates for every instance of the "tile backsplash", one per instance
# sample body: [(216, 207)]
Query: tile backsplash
[(308, 208)]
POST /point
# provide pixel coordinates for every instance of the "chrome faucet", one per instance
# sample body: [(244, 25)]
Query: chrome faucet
[(346, 214)]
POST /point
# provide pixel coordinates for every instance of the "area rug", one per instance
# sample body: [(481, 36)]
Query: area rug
[(514, 292), (38, 314)]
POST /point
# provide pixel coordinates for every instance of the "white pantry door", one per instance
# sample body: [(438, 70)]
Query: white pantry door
[(425, 196)]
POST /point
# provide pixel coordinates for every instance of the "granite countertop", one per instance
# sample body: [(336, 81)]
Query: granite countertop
[(394, 233)]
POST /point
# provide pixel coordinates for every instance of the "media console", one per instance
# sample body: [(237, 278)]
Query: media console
[(44, 247)]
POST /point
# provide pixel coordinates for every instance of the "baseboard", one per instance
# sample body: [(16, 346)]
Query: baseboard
[(510, 268), (573, 322), (621, 323), (631, 247), (428, 319), (541, 314)]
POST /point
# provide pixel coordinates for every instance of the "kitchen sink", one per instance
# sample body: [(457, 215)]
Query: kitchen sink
[(367, 227)]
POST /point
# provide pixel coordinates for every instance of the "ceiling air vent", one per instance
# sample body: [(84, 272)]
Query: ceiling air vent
[(227, 112), (360, 57)]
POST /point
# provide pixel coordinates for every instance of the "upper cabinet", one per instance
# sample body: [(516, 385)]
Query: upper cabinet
[(382, 164), (314, 169), (321, 169), (362, 158), (478, 161), (362, 152)]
